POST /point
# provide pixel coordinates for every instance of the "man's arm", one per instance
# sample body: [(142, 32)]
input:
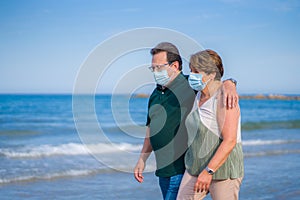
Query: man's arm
[(145, 153), (230, 96)]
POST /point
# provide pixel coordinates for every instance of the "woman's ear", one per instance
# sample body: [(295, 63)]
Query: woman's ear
[(212, 76)]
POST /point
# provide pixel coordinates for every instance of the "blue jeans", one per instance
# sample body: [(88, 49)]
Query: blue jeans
[(170, 186)]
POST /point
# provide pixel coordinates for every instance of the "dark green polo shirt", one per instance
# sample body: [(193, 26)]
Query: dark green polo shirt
[(167, 111)]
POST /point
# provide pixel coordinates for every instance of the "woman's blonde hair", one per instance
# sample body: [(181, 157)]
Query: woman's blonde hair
[(207, 61)]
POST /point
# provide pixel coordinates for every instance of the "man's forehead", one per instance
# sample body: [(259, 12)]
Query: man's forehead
[(160, 56)]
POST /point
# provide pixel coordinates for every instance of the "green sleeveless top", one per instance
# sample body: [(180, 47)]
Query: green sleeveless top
[(203, 143)]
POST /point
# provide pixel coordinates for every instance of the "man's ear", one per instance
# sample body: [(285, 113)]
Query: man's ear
[(176, 65)]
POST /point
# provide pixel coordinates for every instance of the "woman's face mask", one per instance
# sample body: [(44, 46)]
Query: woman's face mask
[(196, 82)]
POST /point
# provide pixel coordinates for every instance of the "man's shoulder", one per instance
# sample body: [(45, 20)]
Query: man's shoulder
[(182, 76)]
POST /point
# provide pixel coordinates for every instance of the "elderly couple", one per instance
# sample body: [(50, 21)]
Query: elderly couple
[(193, 127)]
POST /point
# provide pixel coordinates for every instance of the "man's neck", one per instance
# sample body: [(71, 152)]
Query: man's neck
[(172, 78)]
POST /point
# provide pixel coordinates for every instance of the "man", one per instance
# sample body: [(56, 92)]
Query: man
[(169, 104)]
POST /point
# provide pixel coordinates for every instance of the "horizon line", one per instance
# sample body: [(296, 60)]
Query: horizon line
[(140, 93)]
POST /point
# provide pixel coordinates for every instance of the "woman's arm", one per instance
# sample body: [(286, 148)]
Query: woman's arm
[(228, 120), (228, 123)]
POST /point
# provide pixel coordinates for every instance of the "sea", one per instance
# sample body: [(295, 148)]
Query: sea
[(48, 151)]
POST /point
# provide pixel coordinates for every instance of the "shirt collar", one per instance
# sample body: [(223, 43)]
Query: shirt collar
[(174, 82)]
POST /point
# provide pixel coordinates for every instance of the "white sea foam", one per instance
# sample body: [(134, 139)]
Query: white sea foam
[(271, 153), (267, 142), (69, 173), (73, 149), (67, 149)]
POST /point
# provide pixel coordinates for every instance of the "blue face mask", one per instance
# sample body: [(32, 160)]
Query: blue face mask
[(161, 77), (195, 81)]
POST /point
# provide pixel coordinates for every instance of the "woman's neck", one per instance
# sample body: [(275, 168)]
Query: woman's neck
[(209, 91)]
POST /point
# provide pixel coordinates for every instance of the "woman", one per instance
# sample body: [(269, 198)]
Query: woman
[(214, 159)]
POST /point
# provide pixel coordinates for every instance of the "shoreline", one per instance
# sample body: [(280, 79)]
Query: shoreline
[(270, 96), (254, 96), (145, 95)]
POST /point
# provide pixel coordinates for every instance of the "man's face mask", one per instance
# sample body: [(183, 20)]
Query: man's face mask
[(161, 77)]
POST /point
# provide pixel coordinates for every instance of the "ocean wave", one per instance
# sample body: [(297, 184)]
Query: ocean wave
[(267, 142), (18, 132), (291, 124), (63, 174), (74, 149), (271, 153), (70, 149)]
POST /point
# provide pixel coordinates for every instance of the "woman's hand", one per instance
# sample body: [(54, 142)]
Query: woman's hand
[(203, 182)]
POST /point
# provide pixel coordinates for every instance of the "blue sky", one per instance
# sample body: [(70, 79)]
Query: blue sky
[(44, 42)]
